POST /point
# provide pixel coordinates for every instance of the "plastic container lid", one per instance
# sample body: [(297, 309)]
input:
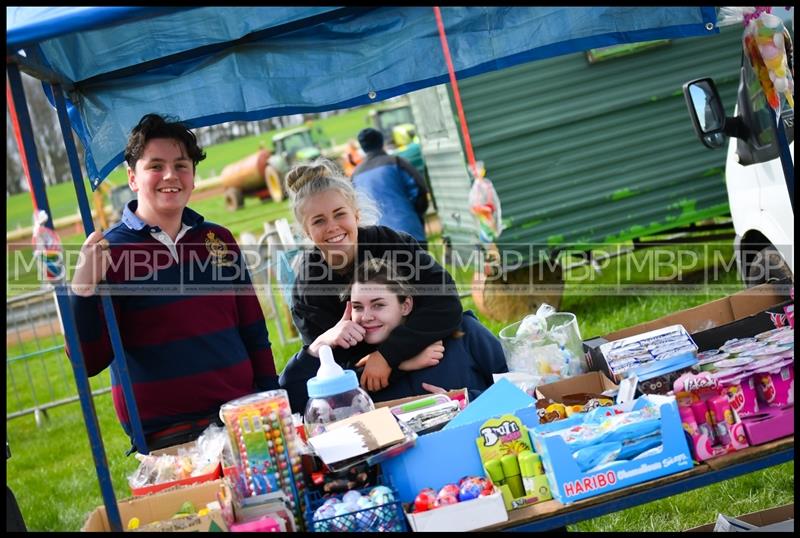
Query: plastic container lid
[(665, 366), (330, 378)]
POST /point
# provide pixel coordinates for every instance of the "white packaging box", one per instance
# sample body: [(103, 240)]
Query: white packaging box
[(463, 516)]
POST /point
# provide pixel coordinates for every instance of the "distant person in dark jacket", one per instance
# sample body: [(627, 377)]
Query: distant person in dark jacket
[(395, 184), (327, 208)]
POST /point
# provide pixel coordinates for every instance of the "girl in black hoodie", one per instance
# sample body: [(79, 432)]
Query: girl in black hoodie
[(326, 207)]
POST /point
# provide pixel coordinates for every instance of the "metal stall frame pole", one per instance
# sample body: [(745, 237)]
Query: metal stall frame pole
[(786, 157), (27, 145), (120, 366)]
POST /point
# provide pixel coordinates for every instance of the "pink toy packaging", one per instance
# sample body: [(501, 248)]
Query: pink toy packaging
[(772, 424), (775, 384), (708, 416), (723, 418), (741, 392)]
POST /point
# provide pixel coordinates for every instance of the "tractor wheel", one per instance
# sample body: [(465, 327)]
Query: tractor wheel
[(510, 297), (274, 184), (234, 198)]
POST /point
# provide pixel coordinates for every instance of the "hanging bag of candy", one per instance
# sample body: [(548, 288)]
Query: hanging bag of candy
[(47, 249), (766, 42), (484, 204)]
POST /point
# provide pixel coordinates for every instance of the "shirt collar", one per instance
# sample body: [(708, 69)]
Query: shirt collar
[(190, 218)]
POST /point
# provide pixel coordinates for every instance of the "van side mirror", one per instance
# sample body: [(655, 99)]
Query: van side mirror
[(706, 111)]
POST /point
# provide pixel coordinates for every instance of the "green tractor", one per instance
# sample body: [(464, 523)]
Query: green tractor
[(396, 122), (292, 147), (263, 173)]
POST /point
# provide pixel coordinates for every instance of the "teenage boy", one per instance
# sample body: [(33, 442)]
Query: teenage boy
[(191, 325)]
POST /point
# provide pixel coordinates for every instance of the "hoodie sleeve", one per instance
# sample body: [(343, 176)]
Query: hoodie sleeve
[(437, 307), (485, 349)]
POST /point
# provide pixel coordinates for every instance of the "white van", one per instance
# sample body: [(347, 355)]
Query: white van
[(759, 172)]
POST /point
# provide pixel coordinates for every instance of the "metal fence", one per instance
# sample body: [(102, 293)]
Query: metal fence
[(38, 373)]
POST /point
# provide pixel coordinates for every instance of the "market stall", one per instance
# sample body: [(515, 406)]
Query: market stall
[(100, 96)]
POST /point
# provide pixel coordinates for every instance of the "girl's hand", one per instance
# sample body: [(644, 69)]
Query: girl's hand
[(430, 356), (433, 388), (93, 264), (345, 334), (376, 371)]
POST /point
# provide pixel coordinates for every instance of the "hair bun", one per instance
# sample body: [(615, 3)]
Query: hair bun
[(296, 178), (303, 174)]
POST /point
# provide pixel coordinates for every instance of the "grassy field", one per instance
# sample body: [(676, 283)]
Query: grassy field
[(337, 129), (53, 476)]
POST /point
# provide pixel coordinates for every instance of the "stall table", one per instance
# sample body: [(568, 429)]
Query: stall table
[(553, 514)]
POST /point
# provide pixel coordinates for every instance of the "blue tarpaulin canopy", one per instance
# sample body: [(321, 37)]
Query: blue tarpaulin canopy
[(208, 65)]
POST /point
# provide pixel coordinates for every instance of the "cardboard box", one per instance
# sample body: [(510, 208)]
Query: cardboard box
[(763, 520), (742, 314), (156, 510), (568, 483), (463, 516), (447, 455), (592, 382)]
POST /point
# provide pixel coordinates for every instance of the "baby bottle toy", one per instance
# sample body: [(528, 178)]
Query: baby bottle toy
[(333, 395)]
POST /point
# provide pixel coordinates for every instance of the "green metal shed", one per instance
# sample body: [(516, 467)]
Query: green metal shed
[(582, 152)]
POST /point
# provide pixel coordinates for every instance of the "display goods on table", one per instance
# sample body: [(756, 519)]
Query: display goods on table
[(515, 455)]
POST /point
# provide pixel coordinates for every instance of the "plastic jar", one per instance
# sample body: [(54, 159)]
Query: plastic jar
[(333, 394)]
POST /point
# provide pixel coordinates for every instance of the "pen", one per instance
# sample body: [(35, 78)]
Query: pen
[(417, 404)]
